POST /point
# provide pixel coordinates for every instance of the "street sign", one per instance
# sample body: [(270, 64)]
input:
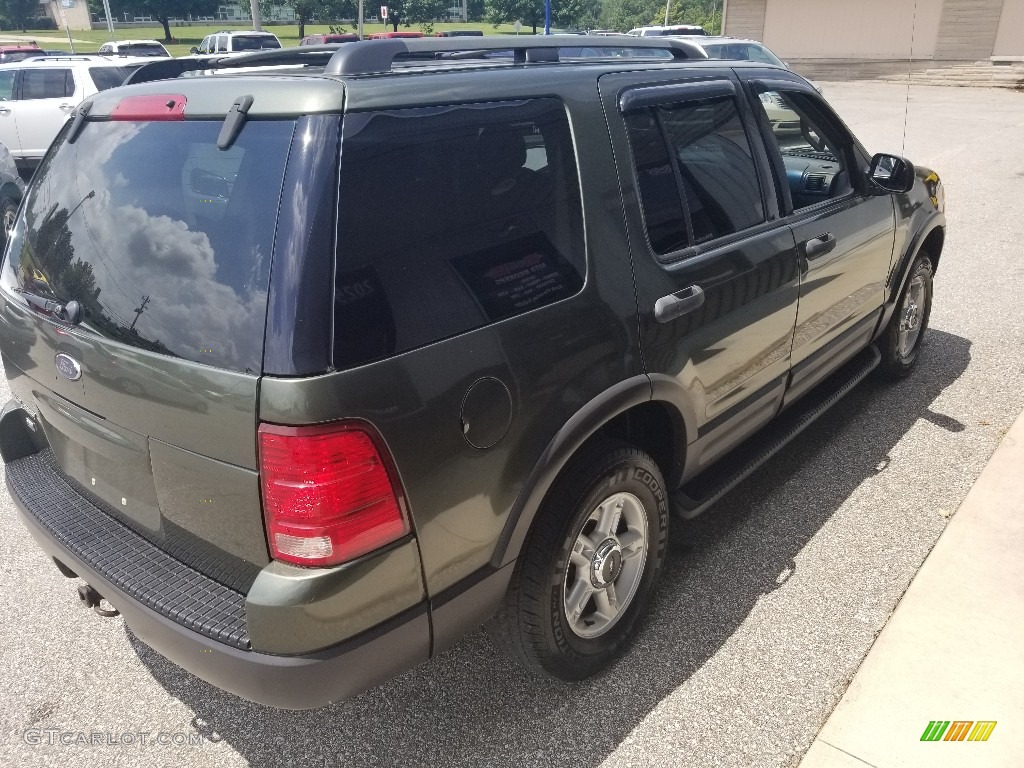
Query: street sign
[(383, 11)]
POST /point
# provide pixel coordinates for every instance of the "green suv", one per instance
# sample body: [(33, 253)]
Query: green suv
[(324, 357)]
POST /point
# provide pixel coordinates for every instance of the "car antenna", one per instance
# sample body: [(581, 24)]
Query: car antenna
[(910, 78)]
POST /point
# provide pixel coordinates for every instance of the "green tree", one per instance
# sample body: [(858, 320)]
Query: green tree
[(161, 10), (704, 13), (624, 15), (18, 12), (564, 13)]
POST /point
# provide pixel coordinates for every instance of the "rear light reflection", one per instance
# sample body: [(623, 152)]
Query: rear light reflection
[(328, 495)]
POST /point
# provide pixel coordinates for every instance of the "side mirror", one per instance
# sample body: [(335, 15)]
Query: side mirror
[(193, 50), (891, 173)]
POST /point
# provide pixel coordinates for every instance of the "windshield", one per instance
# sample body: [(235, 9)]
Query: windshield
[(741, 52), (164, 239), (253, 42)]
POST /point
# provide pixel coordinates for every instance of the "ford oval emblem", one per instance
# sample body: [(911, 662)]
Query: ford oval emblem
[(67, 366)]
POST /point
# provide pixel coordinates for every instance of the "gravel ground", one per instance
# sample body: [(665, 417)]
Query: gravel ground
[(769, 603)]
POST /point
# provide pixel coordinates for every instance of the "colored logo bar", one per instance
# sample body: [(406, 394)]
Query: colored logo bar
[(958, 730)]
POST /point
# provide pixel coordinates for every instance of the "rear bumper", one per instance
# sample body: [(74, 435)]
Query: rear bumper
[(289, 682), (307, 681), (382, 622)]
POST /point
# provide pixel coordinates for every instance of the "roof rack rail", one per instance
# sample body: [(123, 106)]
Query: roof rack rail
[(376, 56), (168, 69)]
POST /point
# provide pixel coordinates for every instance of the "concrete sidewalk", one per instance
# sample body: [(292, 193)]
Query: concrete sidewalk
[(954, 647)]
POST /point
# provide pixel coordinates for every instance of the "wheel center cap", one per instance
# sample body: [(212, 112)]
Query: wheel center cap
[(607, 563), (910, 318)]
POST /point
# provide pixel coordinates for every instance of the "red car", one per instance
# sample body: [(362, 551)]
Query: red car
[(17, 52), (386, 35)]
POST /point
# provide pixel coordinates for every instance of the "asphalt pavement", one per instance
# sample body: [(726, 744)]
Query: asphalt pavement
[(768, 604)]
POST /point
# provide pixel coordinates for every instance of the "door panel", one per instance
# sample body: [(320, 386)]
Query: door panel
[(702, 226), (844, 235), (8, 120), (46, 98)]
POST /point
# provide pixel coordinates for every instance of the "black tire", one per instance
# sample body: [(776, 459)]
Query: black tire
[(532, 624), (8, 211), (899, 357)]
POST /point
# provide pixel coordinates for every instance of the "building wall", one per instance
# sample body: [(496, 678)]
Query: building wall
[(867, 29), (880, 30), (75, 17), (968, 29), (1010, 35), (745, 18)]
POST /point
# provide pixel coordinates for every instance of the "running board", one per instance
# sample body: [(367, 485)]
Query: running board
[(724, 475)]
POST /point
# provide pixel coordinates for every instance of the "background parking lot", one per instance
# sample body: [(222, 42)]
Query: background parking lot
[(769, 601)]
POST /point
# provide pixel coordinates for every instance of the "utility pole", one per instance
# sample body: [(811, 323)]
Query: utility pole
[(257, 22), (668, 4), (110, 19), (138, 312)]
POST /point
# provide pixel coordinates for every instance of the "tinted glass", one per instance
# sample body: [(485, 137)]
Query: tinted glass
[(142, 49), (452, 218), (720, 186), (19, 55), (742, 52), (108, 77), (253, 42), (709, 188), (47, 84), (659, 187), (162, 237), (7, 85)]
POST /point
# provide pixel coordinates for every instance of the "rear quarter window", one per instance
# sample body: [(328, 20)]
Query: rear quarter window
[(451, 218), (108, 77)]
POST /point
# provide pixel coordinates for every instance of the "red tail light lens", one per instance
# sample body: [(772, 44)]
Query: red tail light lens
[(328, 496)]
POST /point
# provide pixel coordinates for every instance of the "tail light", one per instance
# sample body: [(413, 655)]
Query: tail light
[(328, 495)]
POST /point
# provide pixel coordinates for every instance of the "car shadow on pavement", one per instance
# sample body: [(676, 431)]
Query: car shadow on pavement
[(472, 706)]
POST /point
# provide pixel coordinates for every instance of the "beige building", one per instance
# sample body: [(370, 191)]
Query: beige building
[(69, 14), (876, 32)]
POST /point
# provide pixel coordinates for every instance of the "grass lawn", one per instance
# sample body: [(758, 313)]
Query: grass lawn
[(186, 37)]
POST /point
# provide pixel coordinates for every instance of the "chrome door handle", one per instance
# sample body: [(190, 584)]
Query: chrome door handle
[(820, 245), (5, 111), (67, 107), (677, 304)]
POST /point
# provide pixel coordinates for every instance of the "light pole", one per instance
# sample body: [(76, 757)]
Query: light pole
[(547, 17)]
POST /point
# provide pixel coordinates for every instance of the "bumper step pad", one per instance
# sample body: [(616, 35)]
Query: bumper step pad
[(131, 563)]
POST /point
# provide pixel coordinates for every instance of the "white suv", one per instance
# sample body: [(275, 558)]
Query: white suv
[(148, 48), (236, 42), (37, 95)]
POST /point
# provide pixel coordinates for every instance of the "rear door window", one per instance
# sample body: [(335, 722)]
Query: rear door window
[(47, 84), (451, 218), (164, 239), (696, 173)]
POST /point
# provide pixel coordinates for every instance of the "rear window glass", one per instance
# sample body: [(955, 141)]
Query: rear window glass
[(253, 42), (108, 77), (9, 56), (451, 218), (164, 239), (142, 49)]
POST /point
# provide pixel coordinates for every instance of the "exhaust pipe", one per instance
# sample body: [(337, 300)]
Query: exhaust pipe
[(91, 599)]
